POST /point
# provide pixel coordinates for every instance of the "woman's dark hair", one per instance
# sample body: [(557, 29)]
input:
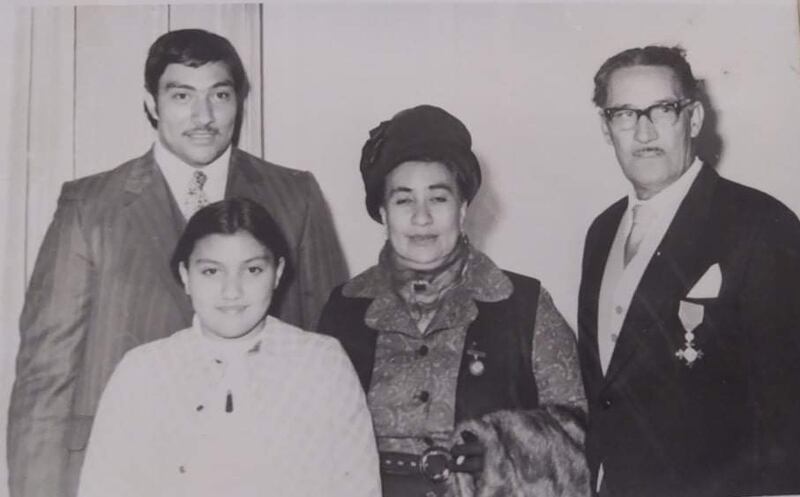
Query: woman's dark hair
[(652, 55), (227, 217)]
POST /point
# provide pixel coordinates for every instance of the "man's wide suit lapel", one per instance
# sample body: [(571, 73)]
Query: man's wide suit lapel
[(681, 258), (155, 223), (598, 247), (278, 193), (244, 180)]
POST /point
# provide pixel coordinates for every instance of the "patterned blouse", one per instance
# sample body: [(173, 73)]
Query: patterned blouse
[(412, 393)]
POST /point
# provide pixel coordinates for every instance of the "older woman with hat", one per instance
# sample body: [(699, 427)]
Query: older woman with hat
[(470, 371)]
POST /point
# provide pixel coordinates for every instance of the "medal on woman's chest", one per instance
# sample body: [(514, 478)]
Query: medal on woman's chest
[(476, 365)]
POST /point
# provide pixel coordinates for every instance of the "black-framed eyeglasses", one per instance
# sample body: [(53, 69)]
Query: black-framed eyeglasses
[(663, 113)]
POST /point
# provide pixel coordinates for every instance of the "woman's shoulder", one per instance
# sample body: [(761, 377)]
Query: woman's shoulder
[(487, 271), (366, 284), (306, 356), (149, 362), (149, 351), (523, 282), (285, 338), (160, 353)]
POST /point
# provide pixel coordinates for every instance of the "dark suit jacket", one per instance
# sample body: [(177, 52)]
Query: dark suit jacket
[(102, 285), (727, 425)]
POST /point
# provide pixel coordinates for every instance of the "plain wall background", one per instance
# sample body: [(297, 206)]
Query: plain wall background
[(520, 77), (518, 74)]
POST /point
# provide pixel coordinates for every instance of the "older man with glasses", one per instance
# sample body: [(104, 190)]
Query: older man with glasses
[(688, 311)]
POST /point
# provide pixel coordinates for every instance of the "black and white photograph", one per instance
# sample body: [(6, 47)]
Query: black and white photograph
[(400, 248)]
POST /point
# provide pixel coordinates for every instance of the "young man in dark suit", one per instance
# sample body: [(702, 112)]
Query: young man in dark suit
[(102, 282), (689, 333)]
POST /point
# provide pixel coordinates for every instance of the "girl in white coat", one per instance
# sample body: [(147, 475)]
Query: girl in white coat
[(240, 404)]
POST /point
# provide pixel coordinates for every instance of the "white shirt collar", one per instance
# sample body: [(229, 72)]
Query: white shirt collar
[(178, 175), (666, 202)]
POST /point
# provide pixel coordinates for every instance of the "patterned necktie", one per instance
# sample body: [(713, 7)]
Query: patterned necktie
[(195, 196), (642, 216)]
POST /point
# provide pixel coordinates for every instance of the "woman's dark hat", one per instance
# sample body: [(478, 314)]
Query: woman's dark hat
[(423, 133)]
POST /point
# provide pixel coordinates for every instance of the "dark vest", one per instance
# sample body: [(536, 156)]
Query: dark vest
[(503, 331)]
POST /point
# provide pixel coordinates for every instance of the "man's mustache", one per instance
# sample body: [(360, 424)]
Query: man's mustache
[(210, 130), (648, 151)]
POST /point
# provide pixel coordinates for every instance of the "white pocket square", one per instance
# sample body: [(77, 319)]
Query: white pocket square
[(707, 287)]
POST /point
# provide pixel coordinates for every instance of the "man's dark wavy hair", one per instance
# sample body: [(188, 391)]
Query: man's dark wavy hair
[(652, 55), (194, 48)]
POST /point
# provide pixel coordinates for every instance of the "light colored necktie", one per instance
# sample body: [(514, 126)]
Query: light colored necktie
[(195, 196), (642, 217)]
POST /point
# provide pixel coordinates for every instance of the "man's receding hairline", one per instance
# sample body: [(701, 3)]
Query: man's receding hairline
[(676, 80)]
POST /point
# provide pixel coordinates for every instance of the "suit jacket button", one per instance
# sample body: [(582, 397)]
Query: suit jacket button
[(605, 402)]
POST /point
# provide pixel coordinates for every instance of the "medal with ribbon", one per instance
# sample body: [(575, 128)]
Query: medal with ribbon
[(690, 315)]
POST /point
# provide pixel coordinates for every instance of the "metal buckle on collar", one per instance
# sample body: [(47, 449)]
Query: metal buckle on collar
[(435, 463)]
